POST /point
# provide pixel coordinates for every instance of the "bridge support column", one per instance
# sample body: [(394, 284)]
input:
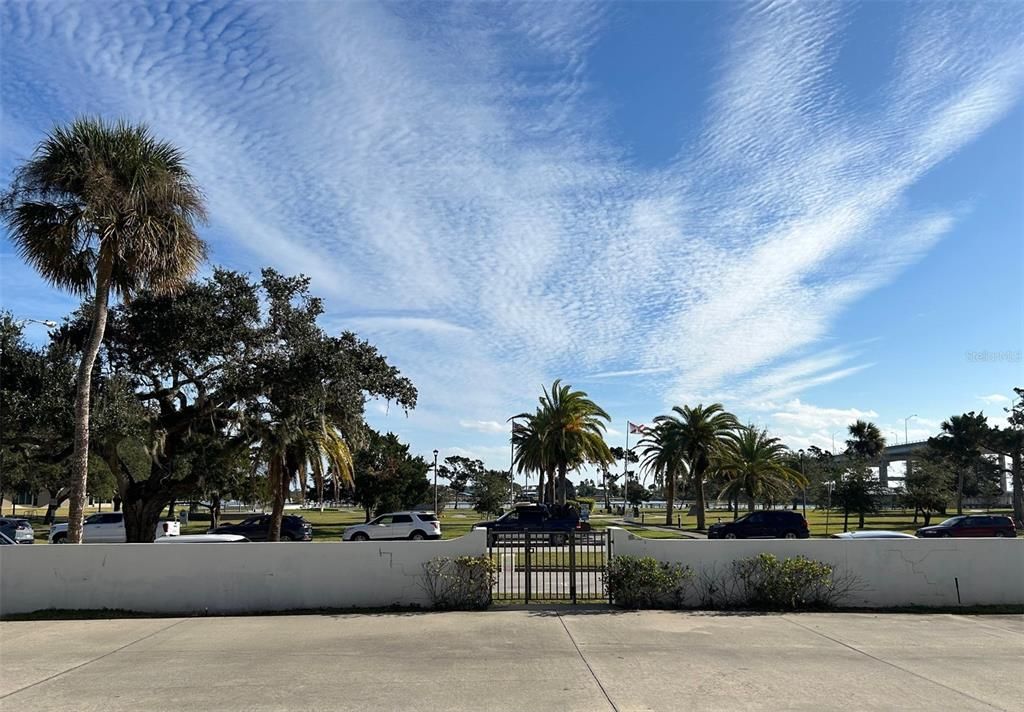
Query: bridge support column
[(883, 473)]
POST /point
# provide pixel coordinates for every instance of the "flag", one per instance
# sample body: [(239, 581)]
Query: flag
[(635, 429)]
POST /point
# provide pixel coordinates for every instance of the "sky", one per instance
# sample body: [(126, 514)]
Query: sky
[(810, 213)]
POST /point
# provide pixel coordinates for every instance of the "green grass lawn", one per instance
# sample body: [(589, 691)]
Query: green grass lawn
[(586, 560), (329, 524), (818, 520)]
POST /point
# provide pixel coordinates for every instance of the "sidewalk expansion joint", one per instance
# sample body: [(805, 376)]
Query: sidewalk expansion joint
[(93, 660), (893, 665), (587, 663)]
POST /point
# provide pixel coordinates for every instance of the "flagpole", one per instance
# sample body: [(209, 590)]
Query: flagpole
[(625, 473)]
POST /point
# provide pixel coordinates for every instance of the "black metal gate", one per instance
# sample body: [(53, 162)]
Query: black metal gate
[(549, 566)]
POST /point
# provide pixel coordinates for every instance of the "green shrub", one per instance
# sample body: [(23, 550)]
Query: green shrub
[(644, 582), (588, 502), (765, 581), (462, 583)]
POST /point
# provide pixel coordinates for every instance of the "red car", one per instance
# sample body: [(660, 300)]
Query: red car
[(972, 525)]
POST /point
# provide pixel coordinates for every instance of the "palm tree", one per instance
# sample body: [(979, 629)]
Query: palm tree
[(565, 432), (293, 449), (662, 453), (573, 431), (755, 466), (962, 440), (528, 446), (694, 436), (865, 441), (103, 209)]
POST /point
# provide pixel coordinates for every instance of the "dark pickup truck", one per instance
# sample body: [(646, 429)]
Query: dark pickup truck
[(556, 521)]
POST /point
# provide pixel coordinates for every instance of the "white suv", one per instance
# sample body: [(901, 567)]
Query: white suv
[(396, 525), (108, 528)]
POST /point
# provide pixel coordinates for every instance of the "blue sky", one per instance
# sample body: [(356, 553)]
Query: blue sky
[(811, 212)]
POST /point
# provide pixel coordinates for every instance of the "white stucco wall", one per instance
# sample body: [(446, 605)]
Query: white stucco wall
[(222, 578), (890, 572)]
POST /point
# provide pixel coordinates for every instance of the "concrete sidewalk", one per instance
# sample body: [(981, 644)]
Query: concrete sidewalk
[(540, 660)]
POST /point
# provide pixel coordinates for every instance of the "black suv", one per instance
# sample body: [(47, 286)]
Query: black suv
[(559, 520), (257, 527), (769, 524)]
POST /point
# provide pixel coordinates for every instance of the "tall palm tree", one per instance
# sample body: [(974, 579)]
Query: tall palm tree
[(694, 435), (865, 441), (755, 466), (103, 208), (574, 429), (528, 449), (566, 431), (962, 440), (662, 453)]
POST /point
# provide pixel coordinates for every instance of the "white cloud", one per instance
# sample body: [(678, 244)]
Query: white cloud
[(436, 171), (485, 426), (995, 398), (805, 416)]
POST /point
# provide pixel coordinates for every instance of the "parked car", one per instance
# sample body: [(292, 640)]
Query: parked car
[(5, 540), (873, 534), (18, 530), (257, 528), (558, 520), (201, 539), (108, 528), (396, 525), (972, 525), (767, 524)]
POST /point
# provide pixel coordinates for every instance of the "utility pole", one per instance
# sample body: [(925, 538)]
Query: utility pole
[(906, 420)]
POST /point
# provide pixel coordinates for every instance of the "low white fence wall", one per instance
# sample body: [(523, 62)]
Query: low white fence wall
[(222, 578), (888, 572)]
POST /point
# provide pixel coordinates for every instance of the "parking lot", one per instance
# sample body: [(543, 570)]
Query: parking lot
[(550, 659)]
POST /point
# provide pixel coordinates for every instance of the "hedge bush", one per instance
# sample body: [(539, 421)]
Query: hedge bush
[(645, 582), (462, 583)]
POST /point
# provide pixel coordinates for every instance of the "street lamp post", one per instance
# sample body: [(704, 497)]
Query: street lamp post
[(45, 322), (905, 431), (435, 482), (828, 512)]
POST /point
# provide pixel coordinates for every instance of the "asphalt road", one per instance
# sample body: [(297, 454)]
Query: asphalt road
[(539, 660)]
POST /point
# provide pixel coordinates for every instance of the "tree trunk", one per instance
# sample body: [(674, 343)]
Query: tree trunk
[(699, 483), (286, 470), (540, 486), (51, 511), (170, 509), (846, 519), (117, 503), (927, 517), (750, 503), (1017, 480), (561, 490), (551, 486), (860, 520), (916, 510), (215, 511), (83, 390), (670, 496), (960, 491), (142, 515)]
